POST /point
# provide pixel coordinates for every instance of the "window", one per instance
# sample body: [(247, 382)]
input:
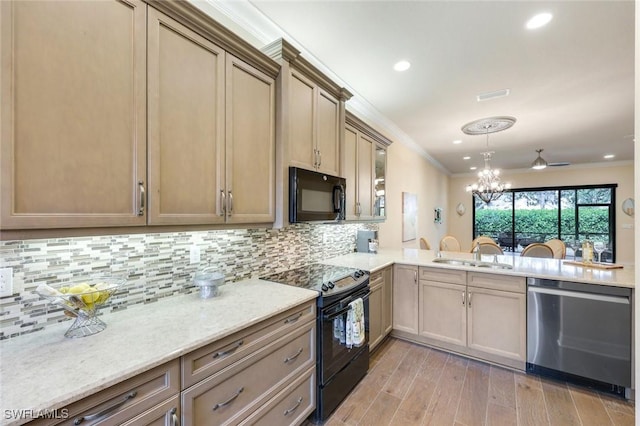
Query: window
[(524, 216)]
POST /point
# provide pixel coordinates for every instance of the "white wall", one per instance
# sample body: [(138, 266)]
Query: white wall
[(462, 228), (408, 171)]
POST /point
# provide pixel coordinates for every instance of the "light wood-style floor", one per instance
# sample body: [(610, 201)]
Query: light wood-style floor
[(409, 384)]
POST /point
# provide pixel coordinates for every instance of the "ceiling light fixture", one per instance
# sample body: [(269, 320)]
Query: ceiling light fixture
[(492, 95), (540, 20), (402, 66), (609, 156), (489, 186), (457, 142), (539, 162), (466, 158), (472, 168)]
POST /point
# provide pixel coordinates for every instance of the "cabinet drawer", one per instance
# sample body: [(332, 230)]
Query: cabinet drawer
[(443, 275), (165, 414), (289, 407), (230, 395), (498, 282), (212, 358), (376, 277), (125, 400)]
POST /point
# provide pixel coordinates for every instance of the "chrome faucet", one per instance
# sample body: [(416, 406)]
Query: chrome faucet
[(476, 252)]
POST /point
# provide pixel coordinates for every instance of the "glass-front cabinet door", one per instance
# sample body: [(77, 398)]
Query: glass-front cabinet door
[(380, 174)]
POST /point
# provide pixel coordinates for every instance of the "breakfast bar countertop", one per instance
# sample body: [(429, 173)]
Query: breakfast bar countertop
[(44, 370), (554, 269)]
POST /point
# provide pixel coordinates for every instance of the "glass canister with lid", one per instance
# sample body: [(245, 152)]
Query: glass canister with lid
[(209, 280)]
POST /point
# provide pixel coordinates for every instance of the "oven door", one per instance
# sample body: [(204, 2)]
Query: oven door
[(332, 349)]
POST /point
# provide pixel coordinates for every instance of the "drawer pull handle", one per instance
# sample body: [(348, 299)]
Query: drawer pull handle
[(293, 318), (469, 301), (463, 297), (174, 417), (107, 410), (230, 350), (228, 401), (294, 408), (291, 358)]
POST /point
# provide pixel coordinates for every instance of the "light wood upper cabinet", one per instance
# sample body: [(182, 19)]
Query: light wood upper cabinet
[(186, 77), (328, 133), (73, 113), (314, 126), (250, 148), (211, 131), (364, 168)]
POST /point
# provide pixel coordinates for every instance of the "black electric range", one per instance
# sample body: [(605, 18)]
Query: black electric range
[(331, 282), (339, 366)]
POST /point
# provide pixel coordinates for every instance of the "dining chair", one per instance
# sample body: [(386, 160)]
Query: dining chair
[(559, 248), (424, 244), (449, 243), (490, 248), (537, 250)]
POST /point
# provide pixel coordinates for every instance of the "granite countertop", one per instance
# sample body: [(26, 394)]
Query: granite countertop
[(522, 266), (45, 370)]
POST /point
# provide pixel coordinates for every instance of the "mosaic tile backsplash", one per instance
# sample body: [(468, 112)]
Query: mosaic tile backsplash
[(155, 265)]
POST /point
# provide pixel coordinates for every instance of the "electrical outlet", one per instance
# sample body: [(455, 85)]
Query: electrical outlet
[(194, 254), (6, 282)]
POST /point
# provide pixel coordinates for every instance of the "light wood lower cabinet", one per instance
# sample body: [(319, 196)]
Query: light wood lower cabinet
[(250, 375), (442, 312), (476, 314), (405, 299), (165, 414), (380, 306), (147, 397), (497, 318)]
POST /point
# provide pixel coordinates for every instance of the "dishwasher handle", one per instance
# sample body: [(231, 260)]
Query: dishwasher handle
[(578, 295)]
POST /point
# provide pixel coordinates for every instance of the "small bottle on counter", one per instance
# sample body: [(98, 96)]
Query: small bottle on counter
[(587, 251)]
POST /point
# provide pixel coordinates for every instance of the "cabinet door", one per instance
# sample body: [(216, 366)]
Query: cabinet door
[(250, 153), (387, 301), (186, 124), (350, 171), (405, 298), (443, 312), (497, 322), (73, 113), (301, 122), (375, 315), (365, 176), (328, 139), (379, 189)]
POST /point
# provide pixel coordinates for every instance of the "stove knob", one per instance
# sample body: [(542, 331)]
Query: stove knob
[(331, 284), (324, 287)]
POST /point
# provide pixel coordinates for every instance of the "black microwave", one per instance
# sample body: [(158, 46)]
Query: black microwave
[(315, 196)]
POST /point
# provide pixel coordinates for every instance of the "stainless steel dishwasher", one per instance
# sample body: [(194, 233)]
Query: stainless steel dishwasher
[(580, 332)]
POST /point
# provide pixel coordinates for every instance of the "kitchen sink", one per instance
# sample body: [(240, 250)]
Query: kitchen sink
[(472, 263)]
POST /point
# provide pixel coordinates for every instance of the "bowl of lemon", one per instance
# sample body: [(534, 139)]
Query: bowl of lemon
[(80, 299)]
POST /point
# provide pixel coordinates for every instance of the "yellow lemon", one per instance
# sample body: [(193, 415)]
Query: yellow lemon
[(90, 298)]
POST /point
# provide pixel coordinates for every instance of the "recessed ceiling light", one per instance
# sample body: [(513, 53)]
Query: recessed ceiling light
[(472, 168), (540, 20), (402, 66), (609, 156), (466, 158), (457, 142)]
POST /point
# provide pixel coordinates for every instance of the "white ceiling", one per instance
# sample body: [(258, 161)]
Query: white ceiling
[(571, 82)]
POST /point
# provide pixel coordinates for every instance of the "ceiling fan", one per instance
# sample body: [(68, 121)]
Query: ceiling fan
[(539, 163)]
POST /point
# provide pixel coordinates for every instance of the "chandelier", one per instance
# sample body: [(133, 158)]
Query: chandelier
[(489, 186)]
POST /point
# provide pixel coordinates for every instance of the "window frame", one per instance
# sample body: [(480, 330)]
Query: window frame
[(558, 189)]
